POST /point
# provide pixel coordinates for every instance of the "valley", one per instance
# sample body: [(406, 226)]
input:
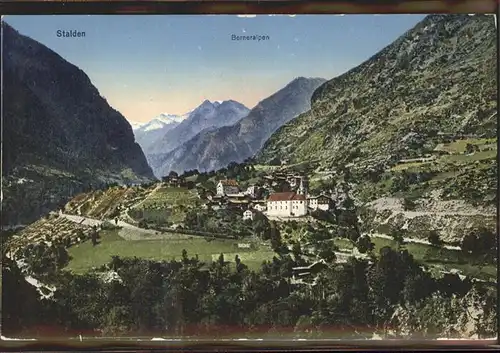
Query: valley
[(361, 205)]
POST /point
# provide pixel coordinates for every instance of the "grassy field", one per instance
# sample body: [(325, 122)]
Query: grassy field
[(487, 151), (85, 256), (459, 146)]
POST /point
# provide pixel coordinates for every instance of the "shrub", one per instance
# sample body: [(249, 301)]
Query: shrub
[(108, 226), (408, 204)]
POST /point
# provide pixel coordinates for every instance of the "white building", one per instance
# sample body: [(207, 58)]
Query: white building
[(321, 202), (247, 215), (228, 186), (251, 191), (286, 204)]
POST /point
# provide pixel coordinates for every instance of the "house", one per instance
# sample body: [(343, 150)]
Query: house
[(304, 274), (260, 207), (321, 202), (294, 179), (238, 196), (248, 214), (251, 191), (286, 204), (208, 194), (228, 186), (174, 181), (237, 204)]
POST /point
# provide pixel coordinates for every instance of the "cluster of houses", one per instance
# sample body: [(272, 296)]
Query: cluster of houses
[(295, 202), (175, 181)]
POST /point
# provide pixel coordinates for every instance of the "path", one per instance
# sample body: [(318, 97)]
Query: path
[(157, 187), (128, 231), (414, 214), (13, 227), (125, 214)]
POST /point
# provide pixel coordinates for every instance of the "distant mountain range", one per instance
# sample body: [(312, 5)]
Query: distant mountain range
[(159, 122), (147, 134), (60, 135), (160, 136), (214, 148)]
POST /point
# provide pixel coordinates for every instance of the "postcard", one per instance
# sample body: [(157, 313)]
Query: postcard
[(259, 177)]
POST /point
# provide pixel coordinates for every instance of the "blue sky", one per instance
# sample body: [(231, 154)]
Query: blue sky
[(147, 65)]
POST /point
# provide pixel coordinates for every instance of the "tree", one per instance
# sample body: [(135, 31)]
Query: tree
[(261, 226), (365, 244), (93, 237), (184, 255), (398, 236), (297, 251), (275, 237), (220, 261), (434, 238), (469, 244), (327, 252), (21, 306), (239, 265), (408, 204), (417, 286)]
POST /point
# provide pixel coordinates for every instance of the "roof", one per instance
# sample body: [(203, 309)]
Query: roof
[(285, 196), (238, 201), (320, 196), (229, 182), (302, 268), (237, 195)]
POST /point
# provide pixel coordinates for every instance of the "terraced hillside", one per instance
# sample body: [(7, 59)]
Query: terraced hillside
[(52, 229), (155, 202)]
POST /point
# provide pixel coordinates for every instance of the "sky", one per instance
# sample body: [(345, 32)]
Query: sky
[(145, 65)]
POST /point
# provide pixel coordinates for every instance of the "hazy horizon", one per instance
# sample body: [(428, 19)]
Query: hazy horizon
[(148, 65)]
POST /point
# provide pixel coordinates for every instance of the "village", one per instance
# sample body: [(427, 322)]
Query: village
[(280, 196)]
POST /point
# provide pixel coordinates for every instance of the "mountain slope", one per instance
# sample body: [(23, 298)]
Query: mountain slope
[(438, 79), (60, 135), (214, 149)]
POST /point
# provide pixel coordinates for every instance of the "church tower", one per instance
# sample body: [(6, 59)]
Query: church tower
[(302, 190)]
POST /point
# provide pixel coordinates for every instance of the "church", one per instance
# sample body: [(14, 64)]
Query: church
[(288, 204)]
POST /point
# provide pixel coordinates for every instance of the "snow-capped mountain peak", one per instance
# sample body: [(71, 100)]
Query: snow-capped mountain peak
[(169, 118), (135, 125), (160, 122)]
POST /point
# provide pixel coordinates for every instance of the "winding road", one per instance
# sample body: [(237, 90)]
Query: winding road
[(127, 231)]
